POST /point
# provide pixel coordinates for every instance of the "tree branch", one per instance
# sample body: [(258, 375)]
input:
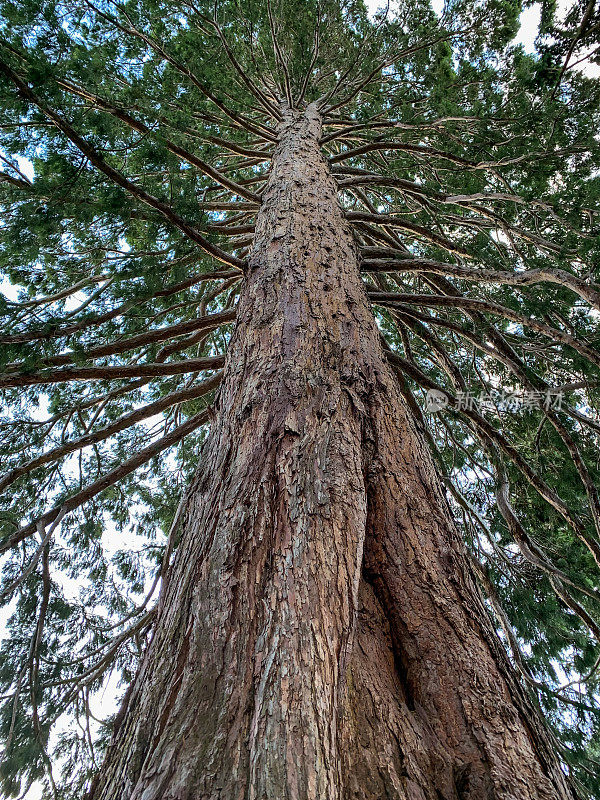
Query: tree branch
[(111, 372), (120, 424), (96, 159), (117, 474)]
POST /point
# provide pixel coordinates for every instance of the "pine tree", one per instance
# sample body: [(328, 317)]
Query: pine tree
[(301, 310)]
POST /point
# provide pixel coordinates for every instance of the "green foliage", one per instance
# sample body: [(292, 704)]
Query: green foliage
[(156, 90)]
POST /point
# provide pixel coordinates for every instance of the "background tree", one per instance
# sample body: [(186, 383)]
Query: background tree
[(467, 172)]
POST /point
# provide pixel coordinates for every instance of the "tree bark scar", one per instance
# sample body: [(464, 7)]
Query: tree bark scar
[(314, 641)]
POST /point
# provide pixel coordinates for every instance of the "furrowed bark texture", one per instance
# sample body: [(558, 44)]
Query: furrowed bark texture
[(319, 636)]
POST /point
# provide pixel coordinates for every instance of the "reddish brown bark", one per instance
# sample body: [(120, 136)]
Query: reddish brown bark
[(319, 637)]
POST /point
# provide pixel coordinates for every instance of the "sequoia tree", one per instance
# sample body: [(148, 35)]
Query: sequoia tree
[(300, 368)]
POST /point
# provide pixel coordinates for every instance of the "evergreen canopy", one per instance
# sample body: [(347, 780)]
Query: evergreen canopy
[(469, 170)]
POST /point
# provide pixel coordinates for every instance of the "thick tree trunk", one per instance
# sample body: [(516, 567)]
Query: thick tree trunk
[(319, 636)]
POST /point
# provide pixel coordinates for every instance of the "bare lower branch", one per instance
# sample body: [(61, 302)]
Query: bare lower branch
[(124, 422), (111, 373), (399, 222), (209, 322), (383, 298), (524, 278), (117, 474)]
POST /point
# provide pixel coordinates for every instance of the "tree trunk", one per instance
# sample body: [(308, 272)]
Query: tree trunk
[(319, 636)]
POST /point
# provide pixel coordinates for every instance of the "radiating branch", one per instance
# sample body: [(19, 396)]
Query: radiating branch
[(110, 372), (118, 473), (116, 177), (122, 423)]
